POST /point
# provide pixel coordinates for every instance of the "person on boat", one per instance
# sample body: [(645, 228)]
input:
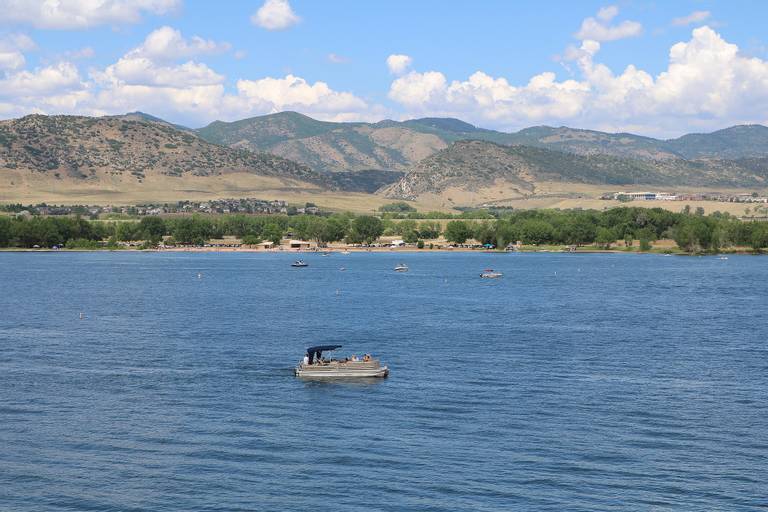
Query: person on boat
[(306, 360), (367, 357)]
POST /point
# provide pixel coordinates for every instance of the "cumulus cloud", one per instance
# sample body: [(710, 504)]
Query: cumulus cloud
[(167, 43), (398, 63), (161, 76), (12, 48), (49, 81), (295, 93), (694, 17), (275, 15), (707, 84), (76, 14), (600, 28)]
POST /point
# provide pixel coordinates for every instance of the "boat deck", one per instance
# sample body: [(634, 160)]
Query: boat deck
[(338, 369)]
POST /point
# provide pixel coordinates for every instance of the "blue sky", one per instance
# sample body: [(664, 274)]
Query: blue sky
[(497, 64)]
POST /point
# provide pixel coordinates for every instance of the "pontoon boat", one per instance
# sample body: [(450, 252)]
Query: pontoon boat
[(315, 367)]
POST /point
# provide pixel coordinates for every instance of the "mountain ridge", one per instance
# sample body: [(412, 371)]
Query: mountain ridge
[(398, 145), (473, 165), (81, 148)]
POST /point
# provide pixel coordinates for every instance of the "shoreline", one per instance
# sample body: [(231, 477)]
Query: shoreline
[(379, 250)]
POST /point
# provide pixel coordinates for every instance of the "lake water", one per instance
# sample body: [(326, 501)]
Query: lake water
[(576, 382)]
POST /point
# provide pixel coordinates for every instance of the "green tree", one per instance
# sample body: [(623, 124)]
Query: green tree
[(457, 231), (604, 237), (366, 229), (5, 231), (579, 230), (335, 229), (696, 234), (536, 232), (398, 207), (759, 236), (429, 229), (153, 227), (273, 233), (251, 240)]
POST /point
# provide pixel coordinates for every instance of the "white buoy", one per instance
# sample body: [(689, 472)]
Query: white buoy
[(82, 316), (199, 275)]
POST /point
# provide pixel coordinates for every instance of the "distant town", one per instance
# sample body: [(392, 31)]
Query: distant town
[(754, 197), (218, 206)]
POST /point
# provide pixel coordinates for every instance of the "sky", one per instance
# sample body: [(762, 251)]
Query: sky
[(649, 67)]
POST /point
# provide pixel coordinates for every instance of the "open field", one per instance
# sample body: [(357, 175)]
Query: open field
[(18, 187), (575, 195)]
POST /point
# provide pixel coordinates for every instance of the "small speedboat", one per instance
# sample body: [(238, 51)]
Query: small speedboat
[(345, 251), (401, 267), (489, 273), (299, 263), (315, 367)]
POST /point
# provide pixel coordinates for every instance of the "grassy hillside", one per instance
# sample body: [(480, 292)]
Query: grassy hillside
[(471, 165), (85, 148)]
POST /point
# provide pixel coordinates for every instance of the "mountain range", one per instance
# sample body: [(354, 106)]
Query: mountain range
[(393, 145), (402, 159)]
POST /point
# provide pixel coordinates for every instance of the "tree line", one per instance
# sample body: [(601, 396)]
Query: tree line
[(692, 231)]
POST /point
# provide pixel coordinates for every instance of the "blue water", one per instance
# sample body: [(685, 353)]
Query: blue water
[(576, 382)]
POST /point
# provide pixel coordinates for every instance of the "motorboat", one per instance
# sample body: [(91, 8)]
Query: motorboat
[(314, 366), (299, 263), (489, 273), (401, 267), (345, 251)]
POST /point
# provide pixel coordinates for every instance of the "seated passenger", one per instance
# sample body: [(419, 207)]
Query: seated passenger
[(353, 358), (367, 357)]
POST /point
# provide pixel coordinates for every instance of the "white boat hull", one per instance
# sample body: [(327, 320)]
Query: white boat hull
[(336, 370)]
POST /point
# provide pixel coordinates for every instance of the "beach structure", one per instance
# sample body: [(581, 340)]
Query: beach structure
[(299, 244)]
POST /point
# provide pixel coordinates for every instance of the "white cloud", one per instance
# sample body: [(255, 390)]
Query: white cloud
[(398, 63), (708, 84), (600, 29), (295, 93), (12, 48), (337, 59), (50, 81), (275, 15), (607, 13), (694, 17), (167, 43), (76, 14), (143, 71)]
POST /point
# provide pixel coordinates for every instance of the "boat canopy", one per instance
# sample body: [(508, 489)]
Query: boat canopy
[(317, 352)]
